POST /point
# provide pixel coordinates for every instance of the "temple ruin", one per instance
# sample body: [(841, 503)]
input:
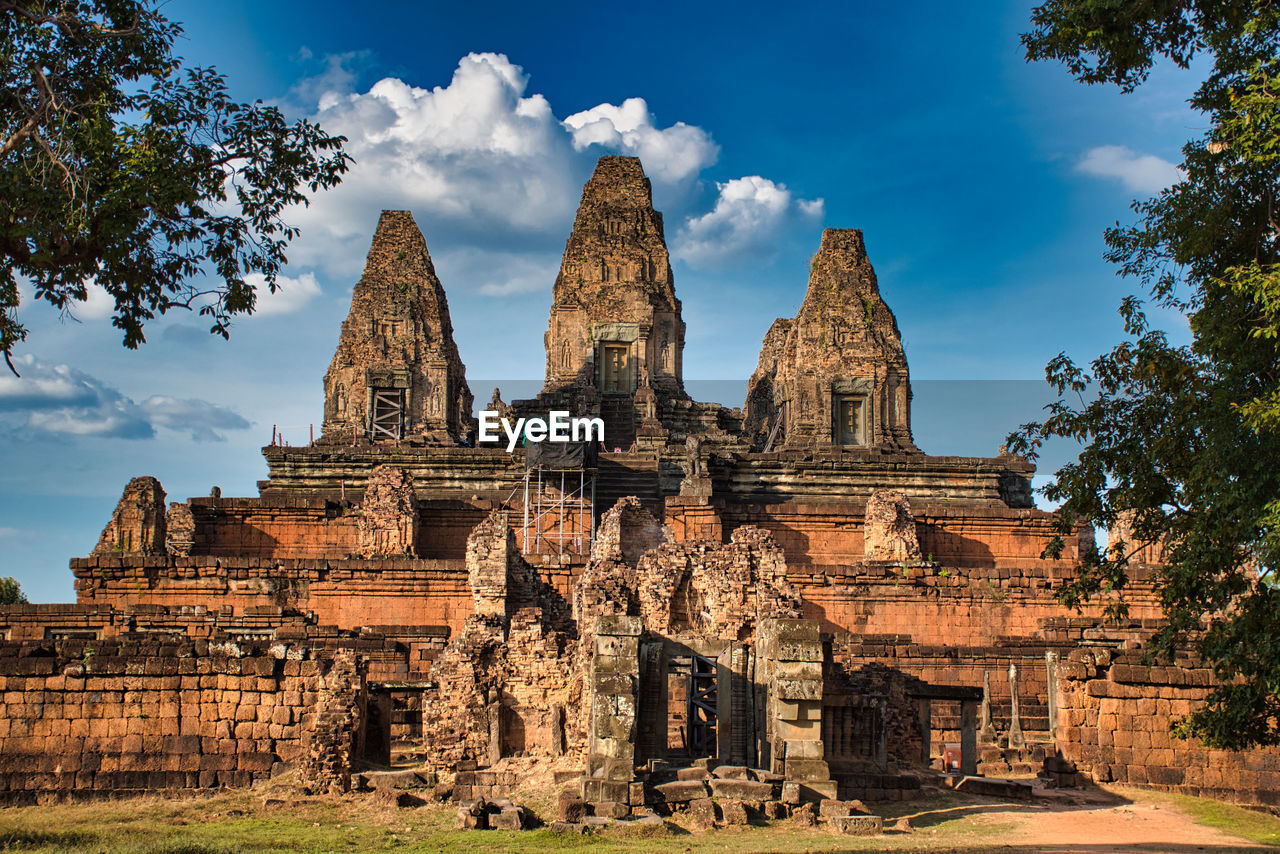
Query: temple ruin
[(778, 609)]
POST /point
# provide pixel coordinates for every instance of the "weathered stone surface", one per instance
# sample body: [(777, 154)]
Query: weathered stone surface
[(388, 514), (890, 531), (836, 375), (741, 790), (858, 825), (733, 813), (398, 342), (702, 814), (682, 791), (138, 524)]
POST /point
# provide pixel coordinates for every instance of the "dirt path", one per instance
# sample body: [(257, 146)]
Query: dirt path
[(1088, 829)]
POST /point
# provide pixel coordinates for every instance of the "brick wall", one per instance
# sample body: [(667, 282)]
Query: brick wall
[(140, 713), (1114, 715)]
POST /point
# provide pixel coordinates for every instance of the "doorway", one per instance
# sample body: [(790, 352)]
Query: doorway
[(850, 413), (691, 707), (616, 369)]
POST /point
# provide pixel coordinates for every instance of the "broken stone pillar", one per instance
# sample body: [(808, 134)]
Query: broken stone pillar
[(396, 372), (790, 663), (889, 531), (494, 711), (611, 687), (138, 524), (332, 740), (388, 514), (988, 732), (557, 730), (1016, 738)]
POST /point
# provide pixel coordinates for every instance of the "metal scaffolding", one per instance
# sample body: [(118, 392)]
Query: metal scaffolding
[(559, 510)]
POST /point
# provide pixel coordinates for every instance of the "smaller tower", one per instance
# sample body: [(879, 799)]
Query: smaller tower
[(396, 373), (835, 375)]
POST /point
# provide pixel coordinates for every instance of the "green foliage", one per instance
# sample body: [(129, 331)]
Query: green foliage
[(11, 592), (1182, 443), (119, 166)]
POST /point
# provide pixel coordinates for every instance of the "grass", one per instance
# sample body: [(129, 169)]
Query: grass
[(1253, 825), (235, 822)]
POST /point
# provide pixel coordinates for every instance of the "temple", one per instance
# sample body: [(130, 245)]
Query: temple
[(783, 608)]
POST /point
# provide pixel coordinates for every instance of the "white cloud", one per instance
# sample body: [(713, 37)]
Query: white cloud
[(481, 162), (199, 417), (1140, 173), (97, 304), (672, 154), (746, 224), (50, 398), (291, 294), (498, 272)]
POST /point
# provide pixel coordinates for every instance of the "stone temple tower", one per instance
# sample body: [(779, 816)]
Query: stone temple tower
[(835, 375), (396, 373), (615, 320)]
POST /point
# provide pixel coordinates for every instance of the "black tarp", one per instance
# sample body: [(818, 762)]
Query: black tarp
[(560, 455)]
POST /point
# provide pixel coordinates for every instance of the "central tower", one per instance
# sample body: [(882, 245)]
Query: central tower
[(615, 320)]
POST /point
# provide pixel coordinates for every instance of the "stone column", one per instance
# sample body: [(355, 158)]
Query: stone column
[(925, 709), (1051, 691), (988, 731), (611, 687), (1016, 739), (790, 654)]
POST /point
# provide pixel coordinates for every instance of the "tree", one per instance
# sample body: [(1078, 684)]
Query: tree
[(1182, 443), (119, 167), (11, 592)]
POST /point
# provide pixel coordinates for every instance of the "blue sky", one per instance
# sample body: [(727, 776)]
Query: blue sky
[(983, 185)]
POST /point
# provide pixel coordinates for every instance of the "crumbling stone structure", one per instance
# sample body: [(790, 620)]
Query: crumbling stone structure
[(138, 524), (762, 616)]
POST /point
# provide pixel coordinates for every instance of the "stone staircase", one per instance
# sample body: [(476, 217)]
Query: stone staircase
[(619, 414), (620, 475)]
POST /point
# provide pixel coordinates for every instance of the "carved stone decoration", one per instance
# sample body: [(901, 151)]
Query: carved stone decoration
[(388, 514), (138, 524), (397, 345), (836, 374), (181, 529), (696, 483), (889, 531)]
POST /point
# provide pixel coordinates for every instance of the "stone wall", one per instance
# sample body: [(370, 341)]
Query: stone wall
[(145, 713), (1113, 723)]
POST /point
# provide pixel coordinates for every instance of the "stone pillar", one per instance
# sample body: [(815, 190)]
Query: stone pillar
[(790, 654), (611, 687), (1051, 681), (968, 738), (494, 711), (988, 732), (557, 730), (1016, 739)]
